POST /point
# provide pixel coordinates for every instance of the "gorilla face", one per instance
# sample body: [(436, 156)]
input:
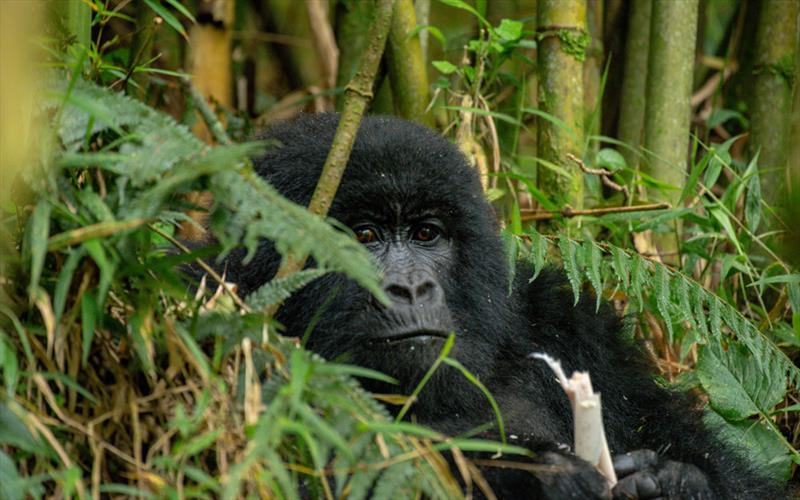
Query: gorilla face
[(414, 254), (410, 198)]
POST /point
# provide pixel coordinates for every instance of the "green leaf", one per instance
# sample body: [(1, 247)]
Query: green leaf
[(681, 287), (511, 244), (509, 30), (183, 10), (762, 447), (323, 430), (433, 30), (794, 297), (735, 387), (638, 278), (698, 308), (621, 264), (725, 221), (569, 254), (594, 261), (167, 16), (12, 487), (445, 67), (662, 297), (691, 183), (278, 290), (13, 432), (715, 318), (106, 265), (610, 159), (538, 253), (36, 241), (459, 4), (64, 279), (752, 203), (719, 116), (89, 313)]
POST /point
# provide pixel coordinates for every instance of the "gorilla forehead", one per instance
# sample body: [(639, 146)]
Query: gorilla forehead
[(396, 168)]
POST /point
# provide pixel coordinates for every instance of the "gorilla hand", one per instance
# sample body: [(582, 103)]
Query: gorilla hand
[(567, 476), (643, 475)]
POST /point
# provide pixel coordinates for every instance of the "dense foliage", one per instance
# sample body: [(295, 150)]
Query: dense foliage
[(120, 379)]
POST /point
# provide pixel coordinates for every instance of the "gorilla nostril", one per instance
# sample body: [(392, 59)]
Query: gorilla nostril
[(426, 291), (399, 294)]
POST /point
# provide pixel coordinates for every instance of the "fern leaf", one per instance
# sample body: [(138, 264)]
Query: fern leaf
[(752, 202), (293, 230), (594, 263), (715, 319), (152, 143), (662, 297), (278, 290), (698, 308), (621, 265), (394, 482), (538, 253), (638, 278), (681, 288), (569, 253)]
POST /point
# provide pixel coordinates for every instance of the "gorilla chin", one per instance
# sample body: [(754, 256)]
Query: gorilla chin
[(414, 202)]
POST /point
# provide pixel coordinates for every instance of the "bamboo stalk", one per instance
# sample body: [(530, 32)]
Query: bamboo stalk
[(634, 81), (406, 65), (352, 21), (771, 105), (673, 27), (356, 98), (324, 41), (562, 28)]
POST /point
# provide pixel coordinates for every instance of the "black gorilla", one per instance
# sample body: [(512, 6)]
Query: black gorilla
[(410, 197)]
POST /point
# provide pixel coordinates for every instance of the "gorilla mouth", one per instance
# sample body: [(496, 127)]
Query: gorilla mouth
[(419, 334)]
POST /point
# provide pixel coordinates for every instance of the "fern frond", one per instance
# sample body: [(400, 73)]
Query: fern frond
[(278, 290), (569, 254), (156, 158), (663, 283)]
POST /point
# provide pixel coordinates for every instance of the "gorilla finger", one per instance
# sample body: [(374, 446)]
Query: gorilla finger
[(633, 461), (639, 485)]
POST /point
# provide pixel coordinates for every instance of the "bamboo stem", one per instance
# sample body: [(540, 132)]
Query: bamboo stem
[(356, 98), (406, 65)]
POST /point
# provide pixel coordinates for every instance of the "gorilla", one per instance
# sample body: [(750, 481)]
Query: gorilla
[(413, 201)]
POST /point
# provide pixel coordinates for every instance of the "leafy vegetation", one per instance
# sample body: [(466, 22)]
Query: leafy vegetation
[(118, 379)]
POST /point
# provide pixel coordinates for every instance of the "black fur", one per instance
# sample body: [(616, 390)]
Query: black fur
[(398, 164)]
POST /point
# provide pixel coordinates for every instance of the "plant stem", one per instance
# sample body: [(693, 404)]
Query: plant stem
[(356, 98)]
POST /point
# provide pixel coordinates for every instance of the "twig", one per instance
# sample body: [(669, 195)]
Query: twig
[(324, 41), (208, 269), (213, 123), (710, 87), (605, 175), (357, 95), (570, 212)]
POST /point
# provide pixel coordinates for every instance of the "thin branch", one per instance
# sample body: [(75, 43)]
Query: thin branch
[(357, 95), (324, 41), (208, 269), (570, 212), (605, 175), (213, 123)]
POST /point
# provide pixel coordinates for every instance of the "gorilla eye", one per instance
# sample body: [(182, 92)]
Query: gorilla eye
[(426, 233), (365, 235)]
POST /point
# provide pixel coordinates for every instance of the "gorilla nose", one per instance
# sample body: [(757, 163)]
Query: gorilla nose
[(410, 291)]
